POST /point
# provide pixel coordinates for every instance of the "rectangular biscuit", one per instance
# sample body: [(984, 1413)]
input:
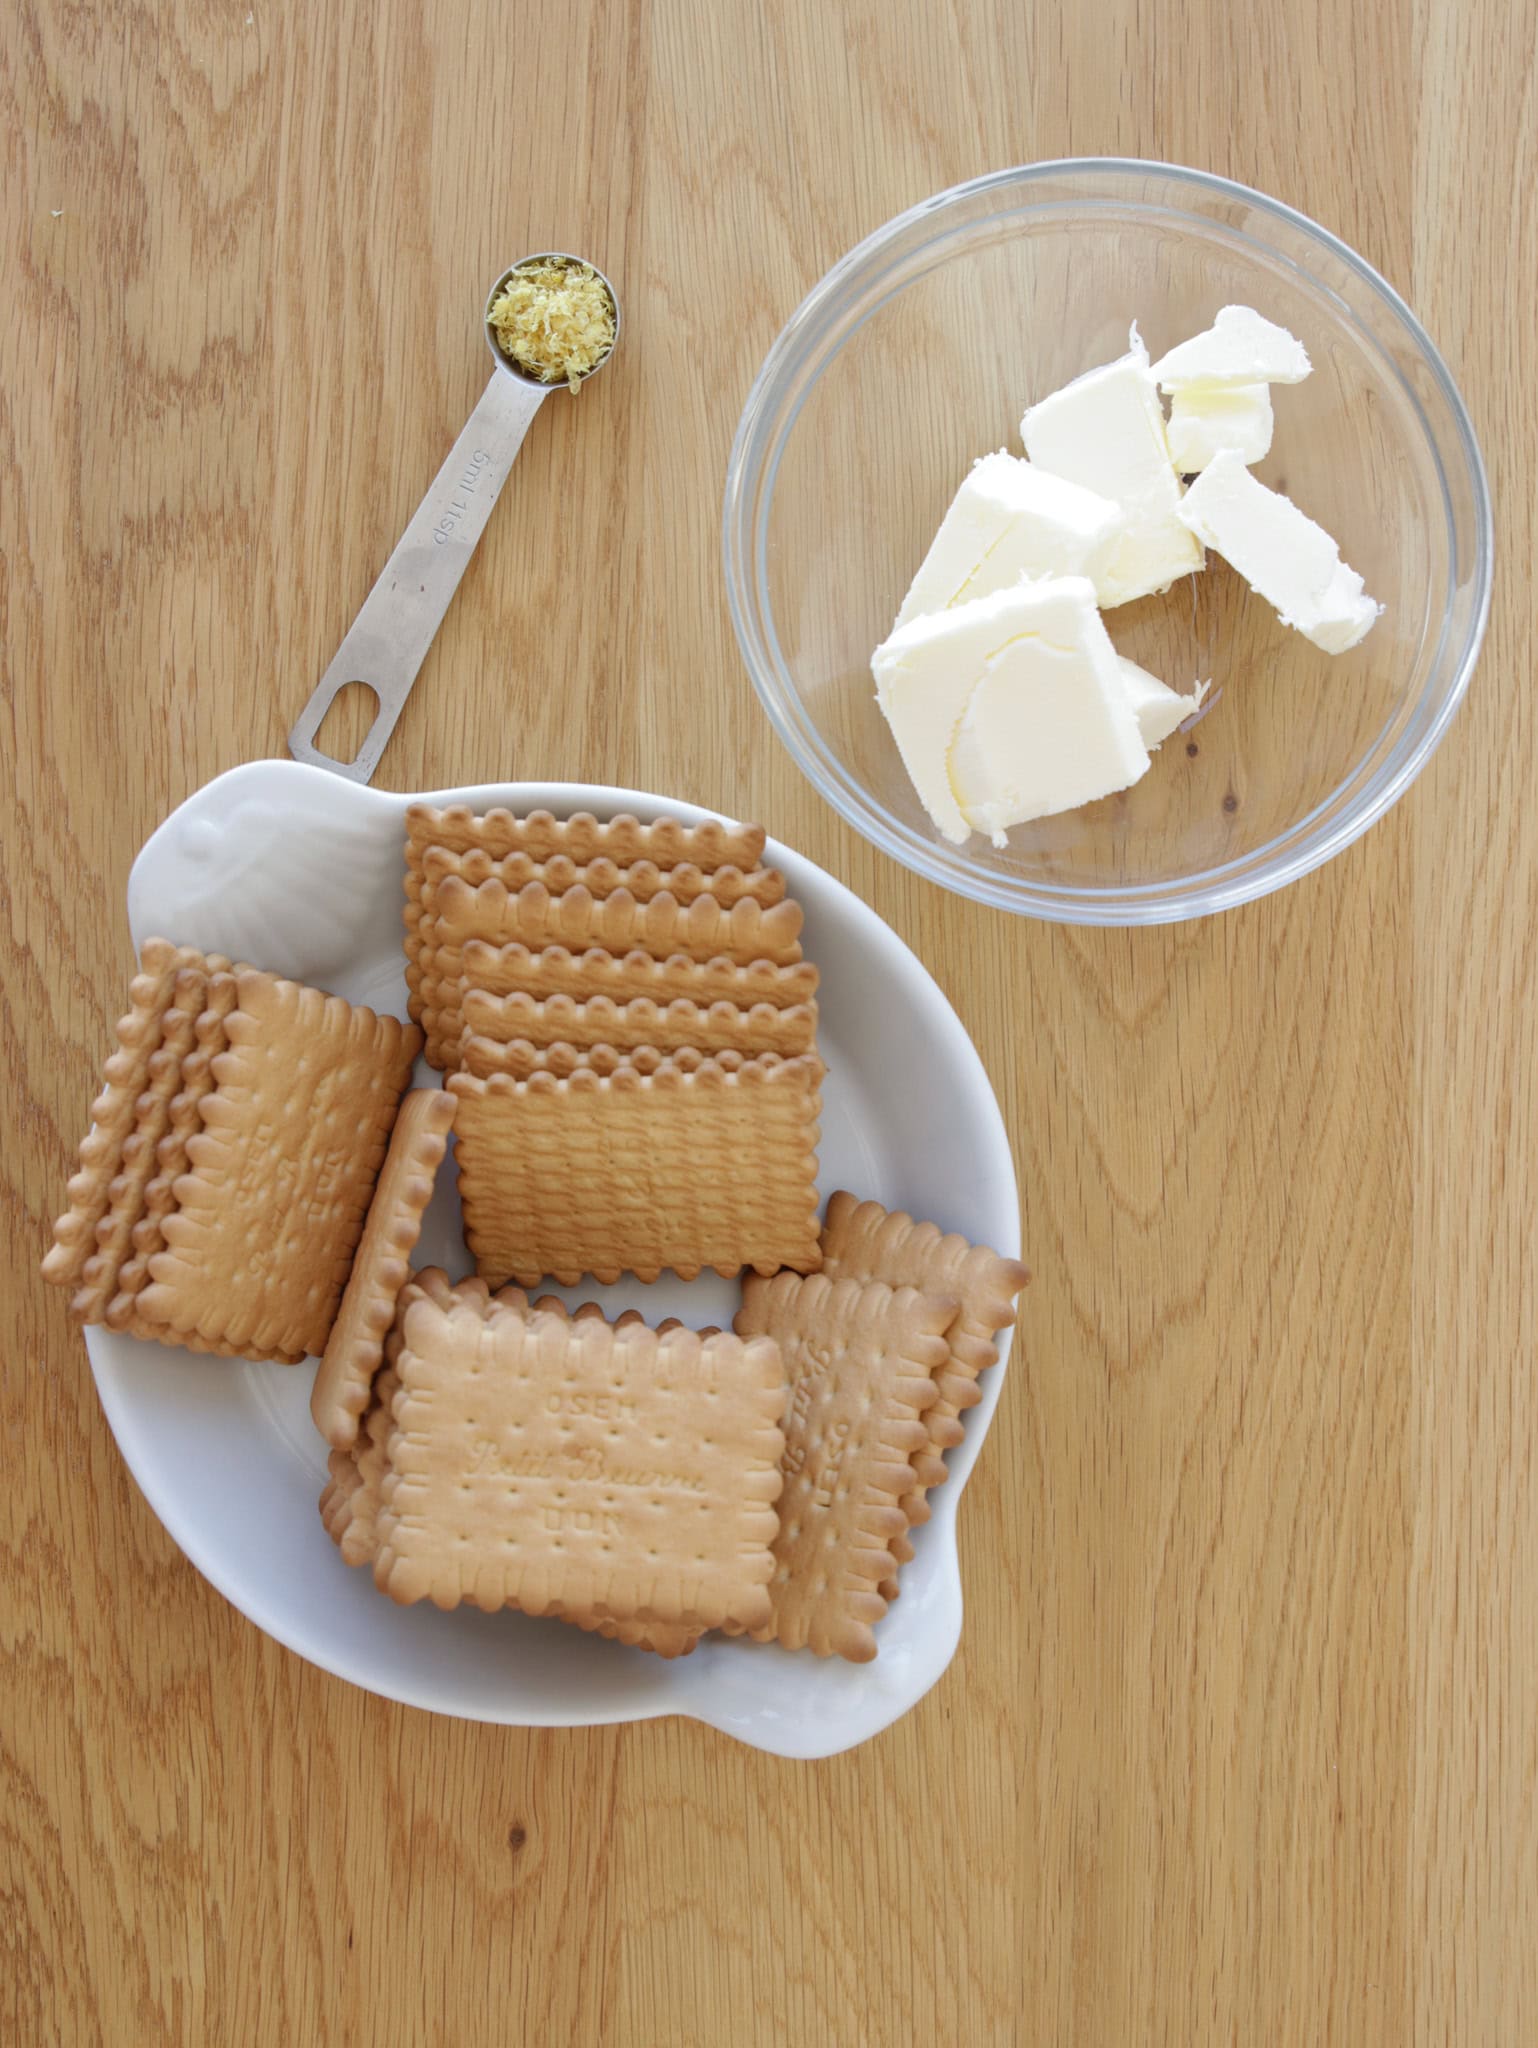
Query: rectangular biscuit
[(619, 923), (125, 1077), (860, 1359), (352, 1501), (189, 1340), (354, 1492), (864, 1241), (258, 1249), (532, 917), (705, 1161), (337, 1495), (539, 974), (380, 1269), (352, 1505), (600, 1020), (602, 877), (713, 843), (664, 1638), (563, 1466), (542, 847), (171, 1160), (136, 1164), (484, 1057)]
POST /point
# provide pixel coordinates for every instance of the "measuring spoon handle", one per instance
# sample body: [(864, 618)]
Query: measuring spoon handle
[(389, 639)]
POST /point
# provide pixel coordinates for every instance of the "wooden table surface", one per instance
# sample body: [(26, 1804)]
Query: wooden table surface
[(1241, 1744)]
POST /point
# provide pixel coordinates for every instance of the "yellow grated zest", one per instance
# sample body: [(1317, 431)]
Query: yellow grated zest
[(555, 319)]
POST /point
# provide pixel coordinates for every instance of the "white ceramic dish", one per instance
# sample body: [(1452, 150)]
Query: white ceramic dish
[(300, 872)]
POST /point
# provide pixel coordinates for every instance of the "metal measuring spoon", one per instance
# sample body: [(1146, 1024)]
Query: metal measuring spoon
[(388, 641)]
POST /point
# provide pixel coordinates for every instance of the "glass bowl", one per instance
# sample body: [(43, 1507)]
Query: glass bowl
[(920, 351)]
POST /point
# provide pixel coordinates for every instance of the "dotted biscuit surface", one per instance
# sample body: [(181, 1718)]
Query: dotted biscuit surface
[(564, 1466)]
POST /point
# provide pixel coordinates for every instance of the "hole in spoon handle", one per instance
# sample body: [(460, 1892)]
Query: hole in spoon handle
[(388, 641)]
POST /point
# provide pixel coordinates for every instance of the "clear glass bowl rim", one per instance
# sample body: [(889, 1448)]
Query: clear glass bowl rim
[(762, 432)]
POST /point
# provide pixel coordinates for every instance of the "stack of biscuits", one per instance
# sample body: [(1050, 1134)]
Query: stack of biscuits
[(625, 1019), (627, 1032), (221, 1192)]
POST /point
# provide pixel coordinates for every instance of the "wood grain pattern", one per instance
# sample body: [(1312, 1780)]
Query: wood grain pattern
[(1242, 1741)]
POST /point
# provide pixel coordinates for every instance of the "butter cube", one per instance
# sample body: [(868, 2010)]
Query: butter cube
[(1238, 348), (1106, 432), (1010, 520), (1281, 553), (1157, 708), (1207, 418), (1009, 707)]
